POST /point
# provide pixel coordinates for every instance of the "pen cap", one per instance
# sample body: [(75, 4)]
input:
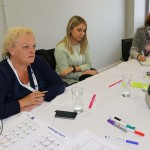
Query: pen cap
[(132, 142), (139, 133), (129, 126), (111, 121)]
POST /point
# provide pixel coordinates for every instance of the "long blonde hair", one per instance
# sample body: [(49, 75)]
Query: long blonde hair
[(73, 22), (11, 38)]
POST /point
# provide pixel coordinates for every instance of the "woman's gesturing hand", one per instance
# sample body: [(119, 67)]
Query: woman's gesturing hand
[(31, 100)]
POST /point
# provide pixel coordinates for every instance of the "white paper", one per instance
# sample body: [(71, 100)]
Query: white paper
[(88, 141), (28, 132)]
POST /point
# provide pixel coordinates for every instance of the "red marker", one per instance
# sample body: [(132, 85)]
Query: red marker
[(136, 132), (92, 101), (115, 83), (139, 133)]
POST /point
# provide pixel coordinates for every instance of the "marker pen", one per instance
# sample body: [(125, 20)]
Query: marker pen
[(129, 129), (122, 140), (116, 125), (44, 91), (92, 101), (136, 132), (124, 123), (119, 122), (143, 53), (115, 83)]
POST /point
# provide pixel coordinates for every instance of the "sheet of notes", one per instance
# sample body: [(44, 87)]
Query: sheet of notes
[(88, 141), (27, 132)]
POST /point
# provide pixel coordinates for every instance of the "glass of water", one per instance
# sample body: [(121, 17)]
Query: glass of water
[(126, 85), (77, 99)]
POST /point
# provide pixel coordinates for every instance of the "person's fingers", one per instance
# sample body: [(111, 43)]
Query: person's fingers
[(39, 95), (141, 58), (39, 99), (29, 108), (32, 107), (25, 108), (62, 75)]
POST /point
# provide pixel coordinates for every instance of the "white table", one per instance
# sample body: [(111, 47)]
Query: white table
[(109, 103)]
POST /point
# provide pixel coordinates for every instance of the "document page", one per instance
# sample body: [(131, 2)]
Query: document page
[(27, 132), (88, 141)]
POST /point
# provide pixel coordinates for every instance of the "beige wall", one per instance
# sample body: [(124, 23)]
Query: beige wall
[(3, 26), (129, 28)]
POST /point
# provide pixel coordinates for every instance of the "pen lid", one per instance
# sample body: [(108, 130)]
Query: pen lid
[(129, 126), (111, 121), (139, 133), (132, 142)]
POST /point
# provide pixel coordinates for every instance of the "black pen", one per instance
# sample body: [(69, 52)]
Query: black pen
[(124, 123)]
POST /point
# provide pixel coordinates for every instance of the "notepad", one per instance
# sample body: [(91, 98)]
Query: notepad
[(138, 85), (146, 62)]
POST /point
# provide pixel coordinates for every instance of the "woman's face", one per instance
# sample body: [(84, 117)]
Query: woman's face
[(77, 33), (23, 51)]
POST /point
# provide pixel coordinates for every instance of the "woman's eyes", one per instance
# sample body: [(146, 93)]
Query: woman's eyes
[(79, 30), (27, 47)]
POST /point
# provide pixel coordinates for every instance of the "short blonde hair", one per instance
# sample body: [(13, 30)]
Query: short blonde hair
[(11, 38)]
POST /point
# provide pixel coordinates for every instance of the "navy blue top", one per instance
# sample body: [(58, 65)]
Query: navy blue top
[(11, 90)]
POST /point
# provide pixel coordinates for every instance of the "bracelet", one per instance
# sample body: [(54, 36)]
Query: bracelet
[(74, 69)]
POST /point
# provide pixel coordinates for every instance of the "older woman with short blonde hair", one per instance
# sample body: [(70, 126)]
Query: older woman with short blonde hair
[(26, 80)]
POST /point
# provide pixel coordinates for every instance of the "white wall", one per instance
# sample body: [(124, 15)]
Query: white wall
[(139, 13), (108, 22), (48, 18), (135, 16)]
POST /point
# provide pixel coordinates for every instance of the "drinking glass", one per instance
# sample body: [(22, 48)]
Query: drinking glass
[(77, 99)]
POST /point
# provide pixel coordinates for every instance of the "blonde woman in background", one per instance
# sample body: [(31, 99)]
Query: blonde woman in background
[(72, 53)]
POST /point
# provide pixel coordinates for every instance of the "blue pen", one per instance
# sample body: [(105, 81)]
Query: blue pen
[(122, 140)]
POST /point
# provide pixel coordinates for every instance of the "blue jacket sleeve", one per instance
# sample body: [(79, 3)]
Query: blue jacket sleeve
[(8, 106), (52, 82)]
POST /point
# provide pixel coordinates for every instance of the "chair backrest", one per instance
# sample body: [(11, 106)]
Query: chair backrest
[(48, 55), (126, 45)]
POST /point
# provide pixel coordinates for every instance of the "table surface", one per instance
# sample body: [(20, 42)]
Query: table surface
[(109, 103)]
